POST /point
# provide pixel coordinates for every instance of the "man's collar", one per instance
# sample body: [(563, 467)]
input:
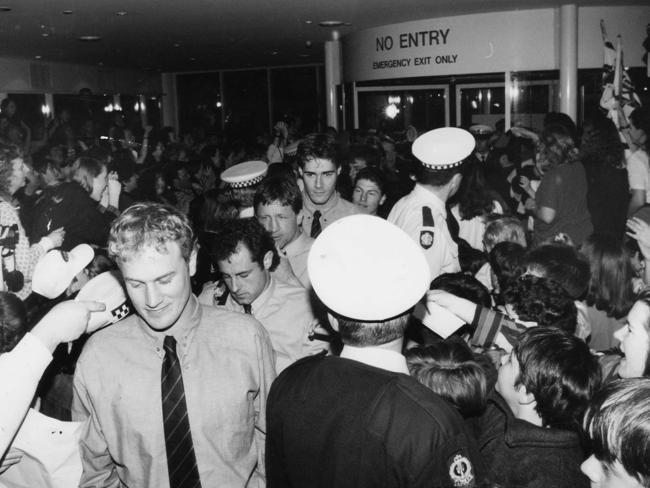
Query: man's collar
[(422, 190), (327, 206), (184, 326), (296, 245), (266, 294), (376, 357)]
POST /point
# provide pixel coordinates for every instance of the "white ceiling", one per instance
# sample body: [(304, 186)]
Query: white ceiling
[(187, 35)]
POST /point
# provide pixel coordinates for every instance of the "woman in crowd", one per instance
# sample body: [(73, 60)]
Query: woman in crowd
[(473, 202), (18, 257), (636, 156), (84, 207), (561, 199), (611, 289), (635, 340)]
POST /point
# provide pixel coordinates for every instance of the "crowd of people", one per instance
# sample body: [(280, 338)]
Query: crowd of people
[(453, 308)]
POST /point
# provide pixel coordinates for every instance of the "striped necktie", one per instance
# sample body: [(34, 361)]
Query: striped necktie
[(181, 461), (315, 225)]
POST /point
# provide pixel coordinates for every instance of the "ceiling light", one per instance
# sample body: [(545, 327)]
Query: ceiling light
[(121, 13), (176, 44), (89, 38), (330, 23), (309, 22), (45, 34), (67, 12), (274, 53), (38, 56), (5, 9)]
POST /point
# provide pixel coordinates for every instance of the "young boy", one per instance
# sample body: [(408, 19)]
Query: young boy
[(529, 433), (618, 424)]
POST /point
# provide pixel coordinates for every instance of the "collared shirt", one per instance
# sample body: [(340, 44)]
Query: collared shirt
[(227, 365), (21, 370), (435, 241), (335, 208), (285, 312), (377, 357), (297, 252)]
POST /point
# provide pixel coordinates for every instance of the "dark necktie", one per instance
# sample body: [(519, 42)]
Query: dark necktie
[(181, 461), (248, 309), (315, 225)]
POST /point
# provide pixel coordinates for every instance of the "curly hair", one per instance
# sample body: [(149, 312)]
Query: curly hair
[(543, 301), (560, 372), (601, 144), (150, 224), (557, 148)]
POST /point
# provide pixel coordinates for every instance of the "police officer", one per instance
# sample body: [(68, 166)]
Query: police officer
[(359, 420), (421, 213), (242, 180)]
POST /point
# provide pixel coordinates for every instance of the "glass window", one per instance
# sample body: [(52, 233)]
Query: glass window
[(394, 109), (294, 94), (199, 101), (245, 102), (481, 104)]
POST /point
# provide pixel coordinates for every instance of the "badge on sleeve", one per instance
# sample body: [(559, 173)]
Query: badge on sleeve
[(426, 239), (426, 236), (460, 471)]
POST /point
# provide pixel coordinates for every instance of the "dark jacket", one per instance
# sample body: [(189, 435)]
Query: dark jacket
[(334, 422), (518, 454), (69, 206)]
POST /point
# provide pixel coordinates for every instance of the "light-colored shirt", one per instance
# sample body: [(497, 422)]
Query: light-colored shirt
[(20, 371), (436, 243), (376, 357), (285, 312), (335, 208), (638, 171), (227, 365), (297, 252)]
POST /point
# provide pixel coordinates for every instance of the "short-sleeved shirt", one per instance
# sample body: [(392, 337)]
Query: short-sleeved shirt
[(409, 214), (564, 189)]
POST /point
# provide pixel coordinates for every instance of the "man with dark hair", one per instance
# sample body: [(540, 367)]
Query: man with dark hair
[(359, 420), (320, 165), (530, 432), (422, 214), (174, 395), (278, 207), (618, 426), (245, 254)]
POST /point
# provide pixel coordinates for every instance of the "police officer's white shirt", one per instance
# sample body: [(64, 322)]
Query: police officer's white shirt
[(435, 242)]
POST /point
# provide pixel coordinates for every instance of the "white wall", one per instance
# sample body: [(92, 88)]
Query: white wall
[(487, 43)]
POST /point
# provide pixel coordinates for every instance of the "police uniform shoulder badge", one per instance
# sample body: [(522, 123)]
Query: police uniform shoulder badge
[(460, 471), (426, 235)]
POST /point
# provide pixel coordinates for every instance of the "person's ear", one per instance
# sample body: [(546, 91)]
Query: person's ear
[(382, 199), (299, 216), (267, 261), (338, 171), (192, 261), (524, 397)]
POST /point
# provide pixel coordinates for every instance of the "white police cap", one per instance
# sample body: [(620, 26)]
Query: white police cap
[(443, 148), (365, 268), (481, 130), (244, 174)]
